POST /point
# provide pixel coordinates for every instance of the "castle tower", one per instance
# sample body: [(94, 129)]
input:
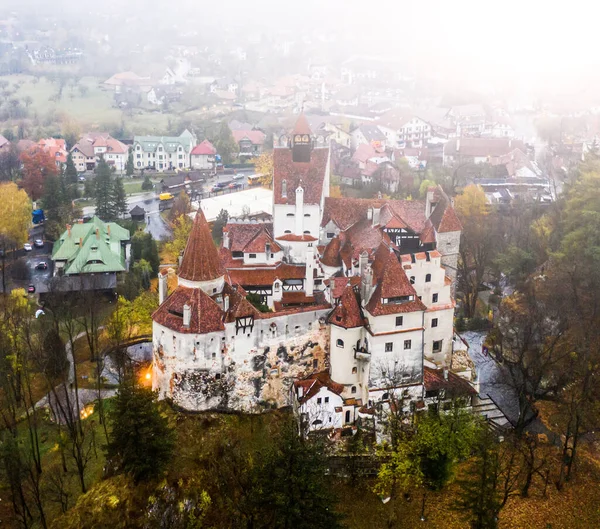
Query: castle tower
[(201, 266), (301, 140)]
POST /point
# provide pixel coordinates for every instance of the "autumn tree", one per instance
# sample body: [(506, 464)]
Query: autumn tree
[(264, 165), (181, 228), (37, 166), (15, 218), (181, 206), (477, 244)]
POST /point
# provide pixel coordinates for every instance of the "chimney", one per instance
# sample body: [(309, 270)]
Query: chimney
[(162, 287), (309, 282), (457, 144), (97, 233), (187, 315), (108, 229), (370, 213), (225, 238), (363, 259), (226, 303), (376, 212), (445, 368), (69, 229), (299, 210)]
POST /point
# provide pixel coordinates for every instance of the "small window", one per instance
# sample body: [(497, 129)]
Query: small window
[(437, 346), (434, 322), (412, 280), (353, 389), (290, 215), (385, 396), (428, 278), (339, 342), (330, 235), (252, 256), (284, 188), (348, 413), (354, 371), (389, 347), (217, 376), (434, 298), (306, 232), (307, 214), (399, 321), (287, 231), (315, 363), (319, 400), (326, 400), (407, 344)]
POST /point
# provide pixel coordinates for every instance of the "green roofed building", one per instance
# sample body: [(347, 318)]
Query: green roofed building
[(94, 247), (163, 153)]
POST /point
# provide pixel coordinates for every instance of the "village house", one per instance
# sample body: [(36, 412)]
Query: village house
[(403, 130), (91, 146), (356, 296), (56, 148), (163, 153), (250, 142), (478, 150), (368, 133), (203, 156)]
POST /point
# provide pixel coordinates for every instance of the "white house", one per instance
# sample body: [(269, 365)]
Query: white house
[(203, 156), (163, 153)]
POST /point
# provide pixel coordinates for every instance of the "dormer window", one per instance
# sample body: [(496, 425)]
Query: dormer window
[(284, 189)]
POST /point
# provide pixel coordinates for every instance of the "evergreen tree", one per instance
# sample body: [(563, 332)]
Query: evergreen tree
[(104, 192), (219, 224), (294, 488), (142, 441), (119, 199), (147, 184), (70, 170), (129, 166), (225, 144)]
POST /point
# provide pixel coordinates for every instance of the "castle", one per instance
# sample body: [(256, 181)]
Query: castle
[(359, 292)]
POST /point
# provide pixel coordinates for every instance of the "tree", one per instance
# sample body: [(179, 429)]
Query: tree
[(477, 244), (37, 166), (181, 228), (104, 192), (181, 206), (144, 247), (147, 184), (294, 490), (136, 415), (264, 165), (70, 170), (119, 199), (129, 166), (218, 225), (225, 144), (10, 163), (425, 185), (15, 218)]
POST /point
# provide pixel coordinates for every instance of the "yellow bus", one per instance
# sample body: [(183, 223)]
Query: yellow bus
[(165, 196), (255, 179)]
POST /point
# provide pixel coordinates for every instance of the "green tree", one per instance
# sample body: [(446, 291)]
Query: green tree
[(142, 441), (225, 144), (104, 191), (144, 247), (147, 184), (119, 199), (129, 166), (181, 228), (294, 489), (218, 225), (70, 170)]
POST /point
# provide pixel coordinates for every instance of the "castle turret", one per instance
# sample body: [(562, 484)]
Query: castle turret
[(201, 266), (301, 140)]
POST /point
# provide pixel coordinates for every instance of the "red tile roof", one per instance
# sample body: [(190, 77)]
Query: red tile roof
[(256, 137), (310, 175), (482, 147), (201, 261), (260, 241), (296, 238), (205, 147), (239, 306), (265, 276), (443, 217), (455, 386), (338, 284), (347, 314), (302, 126), (206, 315), (364, 152), (331, 254), (240, 234), (312, 384)]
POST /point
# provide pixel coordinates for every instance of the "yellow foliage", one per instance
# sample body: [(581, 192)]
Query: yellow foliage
[(471, 203), (264, 165), (15, 214)]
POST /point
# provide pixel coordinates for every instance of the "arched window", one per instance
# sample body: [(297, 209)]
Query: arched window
[(353, 389), (339, 342), (354, 371), (428, 278), (283, 188), (385, 396)]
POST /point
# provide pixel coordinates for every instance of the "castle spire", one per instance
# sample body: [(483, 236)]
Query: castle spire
[(201, 262), (301, 140)]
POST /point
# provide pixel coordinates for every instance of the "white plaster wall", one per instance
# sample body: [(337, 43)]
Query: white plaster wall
[(342, 358), (210, 287), (323, 411), (444, 331)]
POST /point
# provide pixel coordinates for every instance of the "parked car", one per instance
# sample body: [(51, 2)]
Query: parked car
[(31, 288), (234, 185), (81, 178), (38, 243), (239, 176), (41, 266), (27, 247)]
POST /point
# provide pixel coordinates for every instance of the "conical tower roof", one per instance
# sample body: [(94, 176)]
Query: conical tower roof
[(302, 126), (201, 261)]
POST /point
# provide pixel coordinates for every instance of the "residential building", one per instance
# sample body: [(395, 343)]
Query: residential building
[(250, 142), (360, 294), (478, 150), (94, 252), (203, 156), (123, 81), (57, 148), (163, 153), (368, 133), (91, 146), (403, 130)]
